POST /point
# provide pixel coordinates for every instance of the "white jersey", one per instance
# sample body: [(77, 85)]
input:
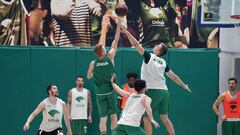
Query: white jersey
[(133, 110), (79, 106), (52, 115), (153, 73)]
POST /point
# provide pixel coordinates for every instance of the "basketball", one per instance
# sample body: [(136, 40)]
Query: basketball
[(121, 10)]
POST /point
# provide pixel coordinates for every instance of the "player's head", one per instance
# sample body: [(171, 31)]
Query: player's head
[(160, 49), (232, 84), (140, 86), (99, 50), (79, 81), (131, 78), (52, 90)]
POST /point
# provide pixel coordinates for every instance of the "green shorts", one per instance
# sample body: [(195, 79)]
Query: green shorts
[(79, 127), (128, 130), (231, 128), (160, 100), (107, 104)]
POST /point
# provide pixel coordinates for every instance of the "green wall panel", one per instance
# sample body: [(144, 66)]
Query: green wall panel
[(14, 89), (192, 113)]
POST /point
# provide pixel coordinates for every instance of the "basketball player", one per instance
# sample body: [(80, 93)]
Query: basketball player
[(128, 87), (79, 105), (152, 70), (53, 109), (135, 107), (231, 106), (101, 70)]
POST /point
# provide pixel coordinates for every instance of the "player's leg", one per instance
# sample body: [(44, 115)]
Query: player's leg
[(156, 97), (102, 109), (135, 131), (79, 127), (113, 109), (163, 110), (103, 125), (119, 130), (83, 127), (147, 125), (168, 124), (114, 120), (227, 128), (75, 127), (236, 130)]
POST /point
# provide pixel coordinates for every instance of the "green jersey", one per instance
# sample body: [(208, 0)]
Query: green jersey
[(102, 73)]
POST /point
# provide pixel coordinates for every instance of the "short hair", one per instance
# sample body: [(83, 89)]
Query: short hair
[(79, 76), (164, 49), (131, 74), (139, 85), (232, 79), (98, 49), (49, 87)]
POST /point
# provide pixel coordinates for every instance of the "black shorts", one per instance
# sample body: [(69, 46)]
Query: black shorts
[(54, 132)]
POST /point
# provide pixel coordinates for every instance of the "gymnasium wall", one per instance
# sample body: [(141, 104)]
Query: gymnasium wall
[(26, 72)]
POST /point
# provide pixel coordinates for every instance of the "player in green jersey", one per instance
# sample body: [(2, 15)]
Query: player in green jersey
[(101, 69)]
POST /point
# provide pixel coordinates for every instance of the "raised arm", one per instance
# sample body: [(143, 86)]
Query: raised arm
[(89, 107), (114, 45), (90, 70), (67, 119), (132, 40), (177, 80), (147, 104), (118, 89), (33, 115), (216, 106), (104, 30)]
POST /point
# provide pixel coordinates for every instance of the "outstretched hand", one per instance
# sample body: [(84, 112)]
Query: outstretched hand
[(156, 125), (106, 22), (187, 88), (26, 127)]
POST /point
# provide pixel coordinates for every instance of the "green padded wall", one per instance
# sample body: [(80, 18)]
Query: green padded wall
[(14, 88), (26, 71), (192, 113)]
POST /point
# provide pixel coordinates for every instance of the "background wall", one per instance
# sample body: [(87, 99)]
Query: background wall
[(229, 56), (26, 71)]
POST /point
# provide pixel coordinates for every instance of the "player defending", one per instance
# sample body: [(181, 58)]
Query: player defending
[(79, 105), (231, 106), (152, 71), (135, 107), (53, 108), (101, 70)]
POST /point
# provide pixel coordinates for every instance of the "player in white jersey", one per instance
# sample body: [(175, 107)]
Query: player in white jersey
[(79, 105), (135, 107), (152, 71), (52, 109)]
